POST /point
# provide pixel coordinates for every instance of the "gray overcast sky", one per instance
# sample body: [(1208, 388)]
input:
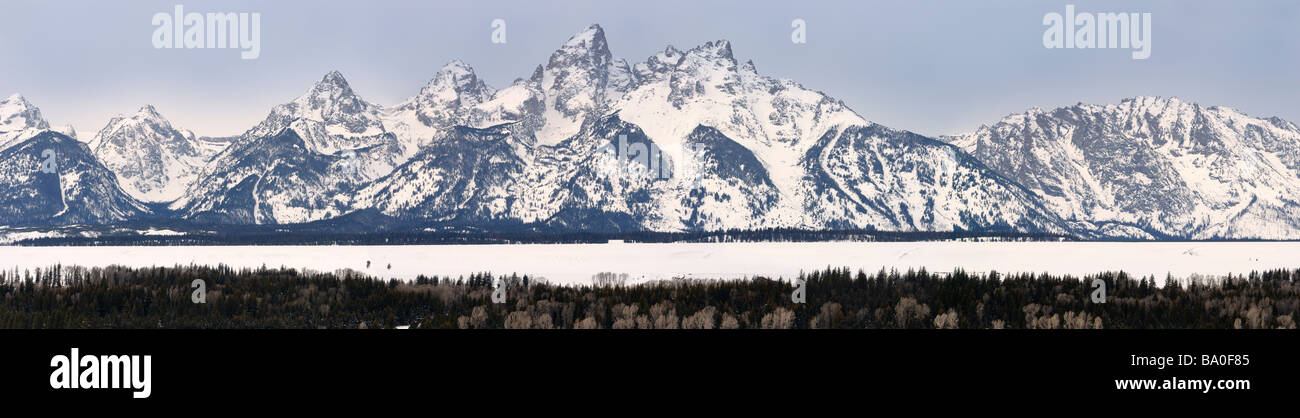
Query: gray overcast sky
[(934, 67)]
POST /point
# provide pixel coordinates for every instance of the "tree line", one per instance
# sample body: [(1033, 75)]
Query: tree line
[(163, 297), (310, 234)]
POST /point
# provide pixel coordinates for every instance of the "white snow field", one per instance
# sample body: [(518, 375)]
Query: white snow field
[(576, 263)]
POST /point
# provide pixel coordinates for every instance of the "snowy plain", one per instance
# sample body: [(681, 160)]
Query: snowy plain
[(576, 263)]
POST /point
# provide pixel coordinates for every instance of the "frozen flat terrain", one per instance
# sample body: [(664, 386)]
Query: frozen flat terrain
[(576, 263)]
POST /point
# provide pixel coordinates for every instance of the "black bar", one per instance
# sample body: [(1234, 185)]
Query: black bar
[(365, 366)]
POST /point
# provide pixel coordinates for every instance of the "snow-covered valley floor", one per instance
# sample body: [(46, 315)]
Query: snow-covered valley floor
[(576, 263)]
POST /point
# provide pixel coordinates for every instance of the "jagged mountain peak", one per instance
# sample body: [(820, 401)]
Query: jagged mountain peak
[(19, 120), (330, 96), (154, 160), (456, 67), (708, 60), (579, 80), (447, 100), (17, 99), (592, 37), (146, 118), (658, 64), (705, 86), (148, 110), (704, 56), (719, 49), (335, 78), (455, 78), (17, 113), (585, 49), (331, 87), (330, 116)]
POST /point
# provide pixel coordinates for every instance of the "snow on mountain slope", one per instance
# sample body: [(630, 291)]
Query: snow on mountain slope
[(685, 140), (462, 177), (19, 120), (52, 179), (826, 166), (578, 82), (776, 120), (1153, 167), (716, 184), (886, 179), (301, 164), (578, 184), (330, 118), (154, 161), (450, 99), (738, 150), (277, 180)]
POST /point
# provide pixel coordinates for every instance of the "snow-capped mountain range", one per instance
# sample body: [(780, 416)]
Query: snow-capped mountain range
[(154, 161), (1152, 167), (680, 141)]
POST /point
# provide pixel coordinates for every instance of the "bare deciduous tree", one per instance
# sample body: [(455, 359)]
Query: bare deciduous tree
[(1081, 320), (1041, 317), (781, 318), (519, 320), (729, 322), (1260, 315), (908, 312), (609, 279), (700, 320), (946, 320), (664, 316), (478, 318), (826, 316), (587, 323)]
